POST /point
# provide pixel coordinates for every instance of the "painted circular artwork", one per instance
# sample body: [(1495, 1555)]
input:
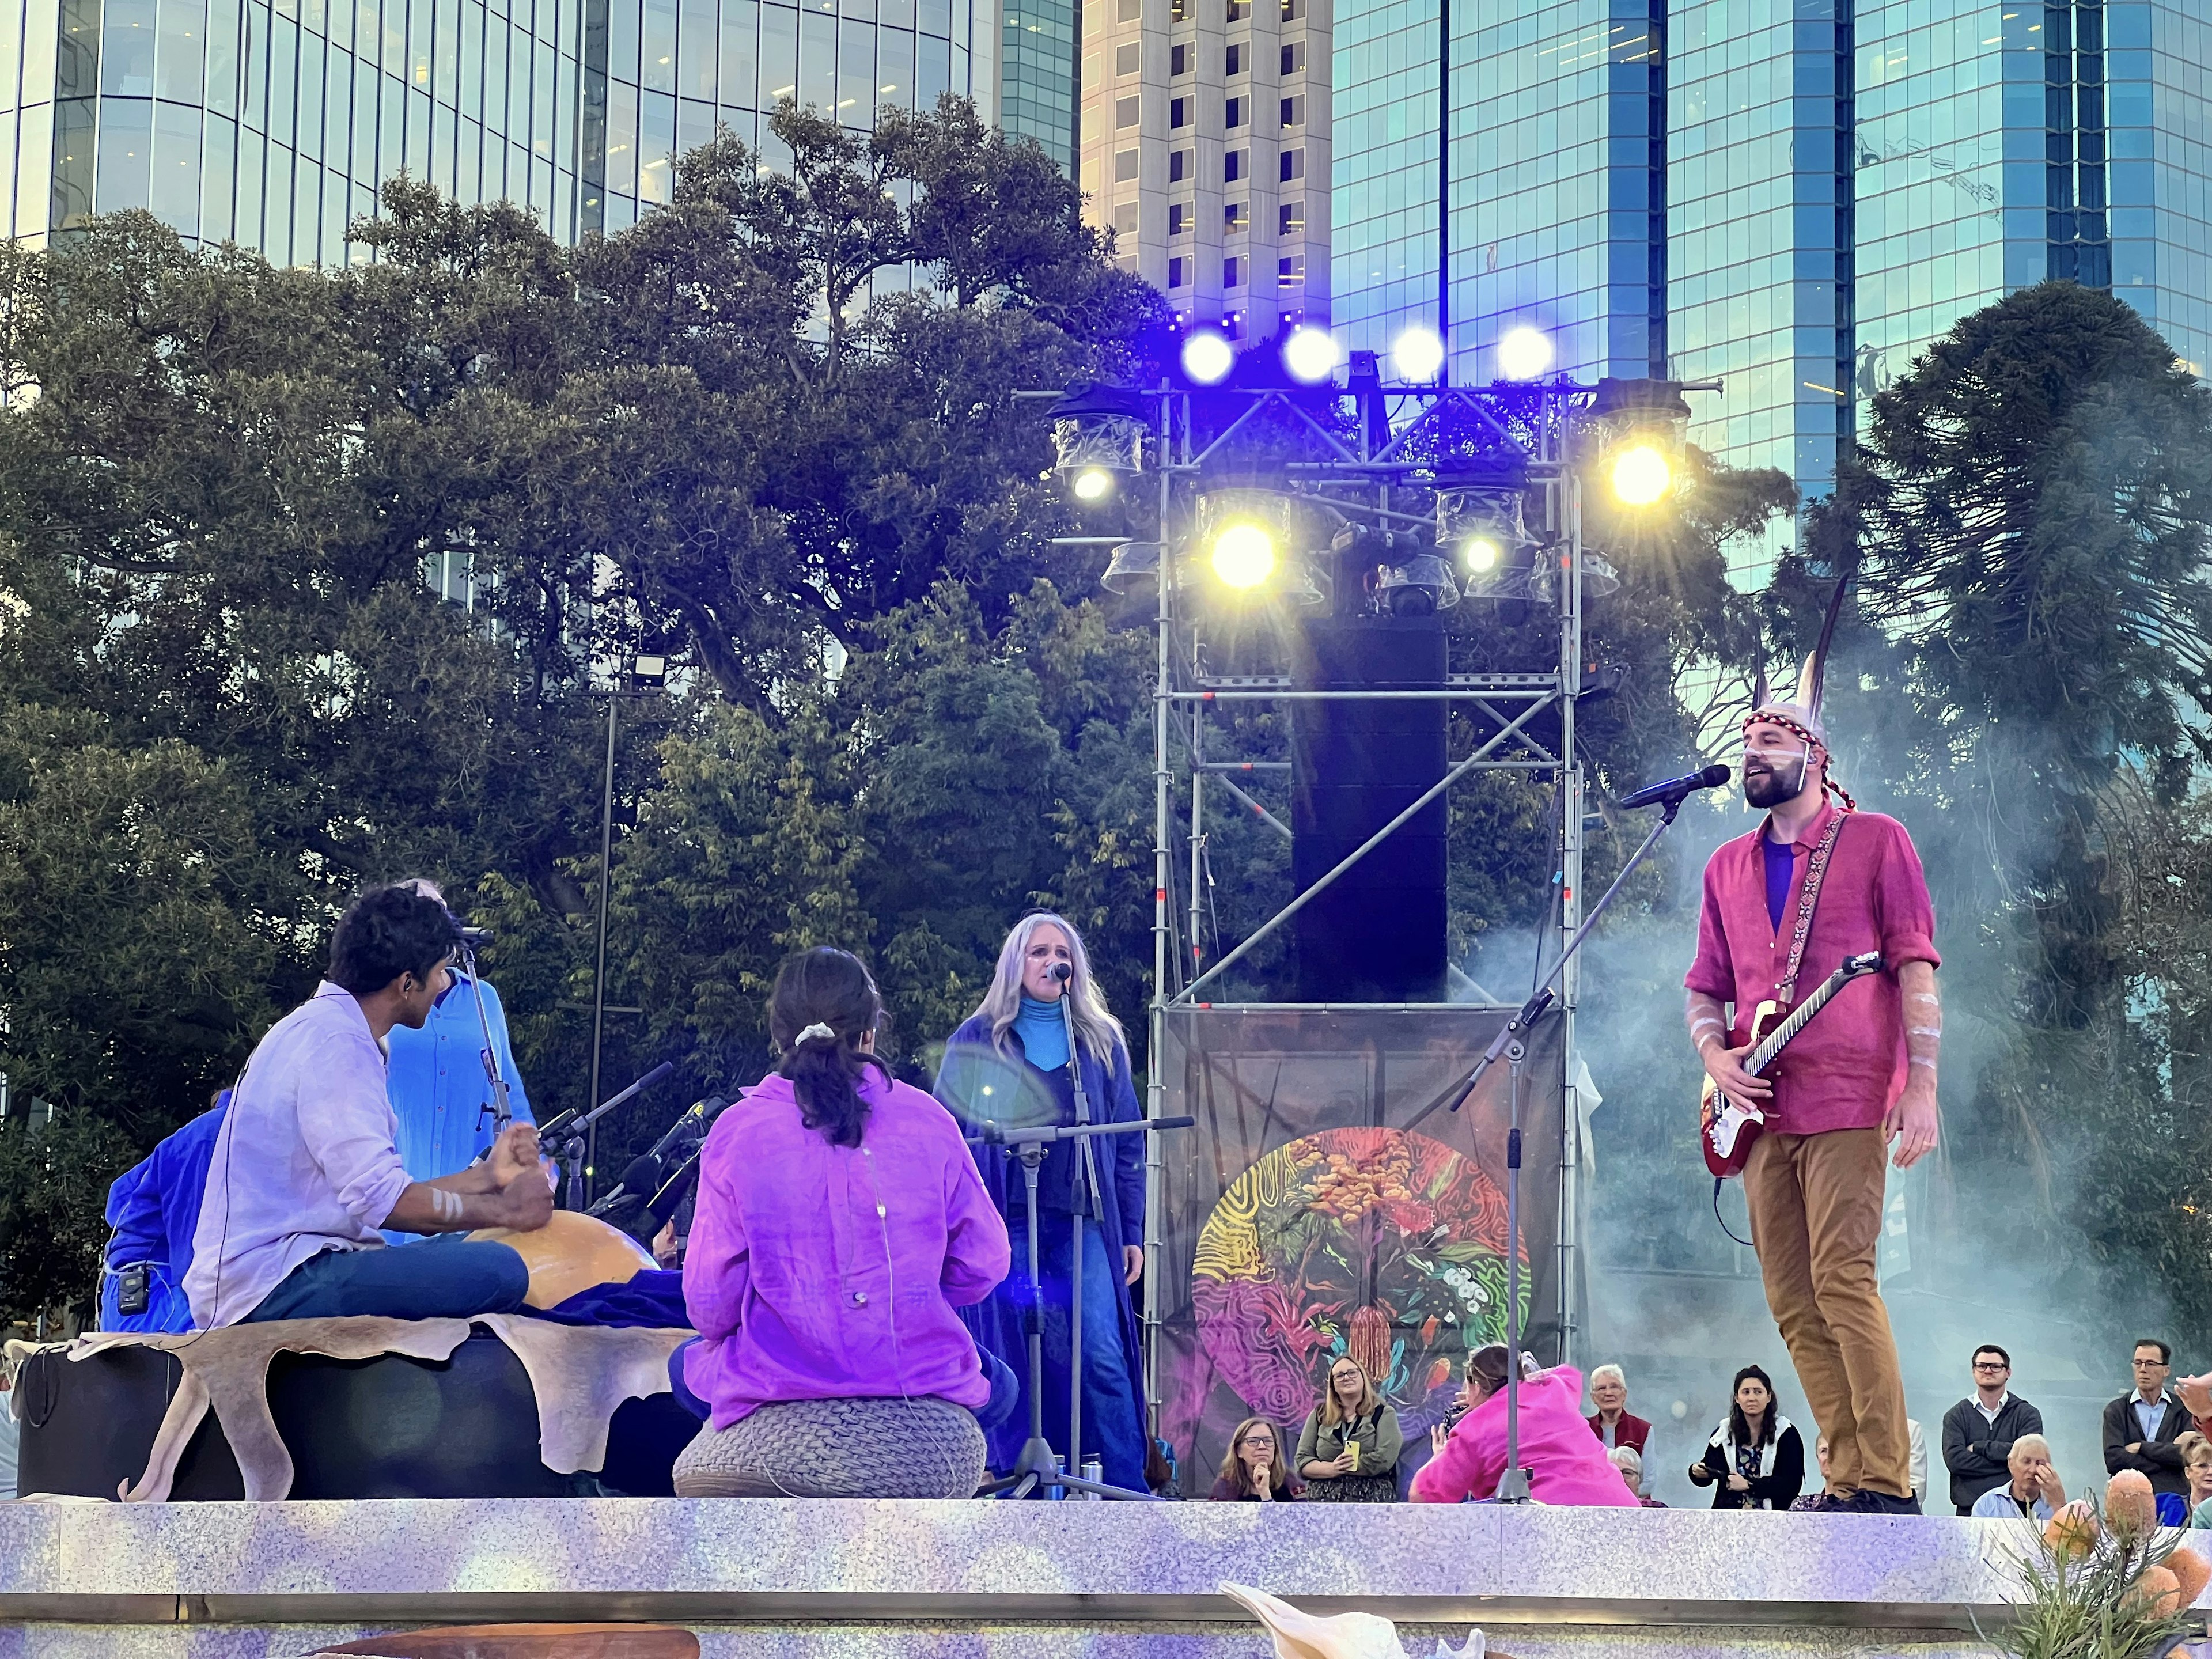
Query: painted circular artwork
[(1386, 1245)]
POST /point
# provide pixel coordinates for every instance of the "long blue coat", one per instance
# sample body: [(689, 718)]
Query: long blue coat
[(978, 1083)]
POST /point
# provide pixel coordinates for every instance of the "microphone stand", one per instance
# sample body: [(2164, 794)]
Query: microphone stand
[(570, 1130), (1512, 1044), (1096, 1201), (497, 1106), (1036, 1469)]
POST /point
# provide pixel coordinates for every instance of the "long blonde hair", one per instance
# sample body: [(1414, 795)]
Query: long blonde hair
[(1096, 1029), (1331, 1408)]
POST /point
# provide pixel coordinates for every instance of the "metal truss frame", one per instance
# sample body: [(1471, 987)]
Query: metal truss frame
[(1541, 423)]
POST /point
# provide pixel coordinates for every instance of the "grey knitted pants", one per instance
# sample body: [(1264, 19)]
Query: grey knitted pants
[(924, 1448)]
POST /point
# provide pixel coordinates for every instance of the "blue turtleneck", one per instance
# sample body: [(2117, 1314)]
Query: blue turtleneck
[(1044, 1036)]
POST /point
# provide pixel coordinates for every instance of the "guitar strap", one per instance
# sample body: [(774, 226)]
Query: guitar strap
[(1816, 871)]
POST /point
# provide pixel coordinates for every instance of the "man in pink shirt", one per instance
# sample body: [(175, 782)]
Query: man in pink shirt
[(1861, 1076)]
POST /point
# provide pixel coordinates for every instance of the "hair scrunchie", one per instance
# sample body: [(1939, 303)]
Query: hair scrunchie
[(817, 1030)]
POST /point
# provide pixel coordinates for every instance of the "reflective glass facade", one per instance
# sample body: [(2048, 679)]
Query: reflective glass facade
[(1793, 196), (1760, 228), (1036, 76), (272, 122), (1558, 181)]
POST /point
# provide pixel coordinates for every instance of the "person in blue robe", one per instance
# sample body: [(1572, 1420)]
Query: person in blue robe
[(153, 1210)]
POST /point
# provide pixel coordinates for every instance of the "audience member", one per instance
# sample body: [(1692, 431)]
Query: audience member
[(1253, 1471), (1612, 1422), (2196, 1463), (1566, 1464), (8, 1431), (2142, 1427), (1630, 1463), (840, 1220), (2032, 1492), (1915, 1461), (1756, 1460), (1811, 1500), (1348, 1451), (1979, 1431)]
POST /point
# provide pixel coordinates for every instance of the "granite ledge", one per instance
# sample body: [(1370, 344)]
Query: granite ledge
[(784, 1561)]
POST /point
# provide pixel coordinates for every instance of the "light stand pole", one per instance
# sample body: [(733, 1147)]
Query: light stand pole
[(646, 676)]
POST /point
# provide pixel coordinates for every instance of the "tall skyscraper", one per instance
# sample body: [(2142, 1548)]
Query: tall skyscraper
[(1205, 151), (1036, 76), (1779, 194), (272, 122)]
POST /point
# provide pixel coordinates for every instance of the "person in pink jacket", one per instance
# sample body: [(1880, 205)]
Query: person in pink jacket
[(840, 1220), (1565, 1463)]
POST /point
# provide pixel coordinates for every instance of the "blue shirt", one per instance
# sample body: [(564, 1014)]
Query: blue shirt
[(1998, 1503), (2150, 1416), (437, 1084), (1781, 863), (1043, 1033), (154, 1208)]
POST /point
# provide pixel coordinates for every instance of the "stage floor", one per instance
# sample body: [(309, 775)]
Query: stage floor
[(872, 1580)]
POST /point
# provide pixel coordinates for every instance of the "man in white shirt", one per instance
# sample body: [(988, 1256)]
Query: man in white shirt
[(2031, 1493), (306, 1168)]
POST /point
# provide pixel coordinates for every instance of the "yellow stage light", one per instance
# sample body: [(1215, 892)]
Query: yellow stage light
[(1093, 484), (1641, 475), (1243, 554)]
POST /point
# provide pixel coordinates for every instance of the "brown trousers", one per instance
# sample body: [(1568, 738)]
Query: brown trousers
[(1816, 1217)]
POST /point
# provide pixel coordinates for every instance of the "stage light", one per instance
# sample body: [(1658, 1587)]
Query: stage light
[(1418, 356), (1243, 554), (1134, 569), (1419, 587), (1097, 438), (1207, 357), (1310, 356), (1480, 555), (1523, 354), (1641, 475)]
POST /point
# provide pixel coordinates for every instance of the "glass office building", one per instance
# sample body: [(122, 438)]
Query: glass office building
[(1036, 76), (1557, 184), (1792, 197), (272, 122)]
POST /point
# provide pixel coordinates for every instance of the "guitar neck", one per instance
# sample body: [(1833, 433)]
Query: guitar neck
[(1779, 1038)]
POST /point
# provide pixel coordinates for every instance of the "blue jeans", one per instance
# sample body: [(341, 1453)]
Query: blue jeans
[(447, 1278), (1113, 1410)]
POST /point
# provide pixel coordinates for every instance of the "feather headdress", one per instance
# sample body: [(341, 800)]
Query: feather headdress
[(1801, 713)]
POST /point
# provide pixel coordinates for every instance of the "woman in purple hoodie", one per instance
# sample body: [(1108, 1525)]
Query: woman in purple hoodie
[(839, 1221)]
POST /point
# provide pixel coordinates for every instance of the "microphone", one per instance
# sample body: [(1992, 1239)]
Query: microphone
[(1674, 791), (1061, 971), (640, 1175)]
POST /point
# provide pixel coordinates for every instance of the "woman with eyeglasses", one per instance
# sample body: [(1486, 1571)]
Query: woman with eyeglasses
[(1348, 1451), (1254, 1470)]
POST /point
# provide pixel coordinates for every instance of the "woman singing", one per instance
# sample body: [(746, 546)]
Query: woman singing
[(1012, 1064)]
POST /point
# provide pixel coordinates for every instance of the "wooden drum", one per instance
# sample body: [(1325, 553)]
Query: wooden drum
[(570, 1253)]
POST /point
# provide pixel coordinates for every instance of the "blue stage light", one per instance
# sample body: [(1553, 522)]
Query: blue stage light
[(1208, 358)]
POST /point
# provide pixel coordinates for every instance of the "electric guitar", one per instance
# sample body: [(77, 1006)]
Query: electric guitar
[(1727, 1130)]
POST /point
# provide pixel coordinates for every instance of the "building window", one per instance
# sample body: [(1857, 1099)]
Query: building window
[(1129, 59), (1293, 9), (1125, 166), (1231, 275), (1294, 57), (1127, 11), (1179, 217), (1178, 272), (1291, 218), (1233, 115), (1179, 59), (1233, 322), (1232, 166), (1178, 112), (1179, 167), (1291, 270), (1125, 218), (1234, 216), (1179, 11), (1239, 10), (1125, 113), (1237, 59), (1293, 163), (1294, 111)]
